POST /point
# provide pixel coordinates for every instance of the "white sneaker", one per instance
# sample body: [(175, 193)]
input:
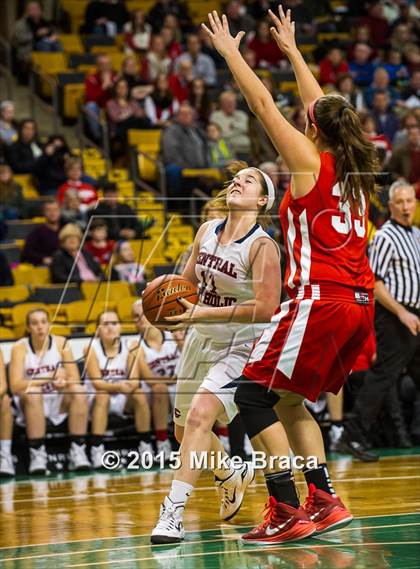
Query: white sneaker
[(225, 442), (334, 435), (165, 448), (7, 468), (38, 460), (78, 459), (96, 454), (169, 528), (146, 451), (232, 490)]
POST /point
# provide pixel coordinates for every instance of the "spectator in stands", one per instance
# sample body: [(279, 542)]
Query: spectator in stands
[(361, 68), (105, 17), (381, 82), (98, 90), (265, 48), (164, 8), (346, 87), (200, 101), (124, 112), (99, 246), (23, 154), (72, 264), (74, 173), (12, 202), (161, 106), (411, 54), (400, 37), (299, 119), (209, 49), (172, 46), (182, 147), (397, 71), (405, 159), (121, 219), (234, 124), (46, 383), (238, 19), (361, 35), (42, 242), (332, 66), (180, 82), (6, 275), (171, 21), (387, 122), (202, 65), (139, 87), (8, 132), (157, 59), (411, 94), (377, 24), (408, 121), (220, 154), (32, 33), (379, 140), (124, 262), (49, 169), (72, 211), (137, 33)]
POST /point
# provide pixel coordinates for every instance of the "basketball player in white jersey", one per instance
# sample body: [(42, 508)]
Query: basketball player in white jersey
[(237, 267), (7, 468), (113, 386), (45, 381), (157, 358)]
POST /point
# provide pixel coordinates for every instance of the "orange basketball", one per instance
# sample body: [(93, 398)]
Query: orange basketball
[(159, 298)]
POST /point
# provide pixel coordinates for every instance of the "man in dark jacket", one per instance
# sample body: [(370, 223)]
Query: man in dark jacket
[(120, 218), (23, 154), (42, 242)]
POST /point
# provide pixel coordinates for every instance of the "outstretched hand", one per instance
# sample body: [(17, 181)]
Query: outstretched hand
[(283, 30), (220, 35)]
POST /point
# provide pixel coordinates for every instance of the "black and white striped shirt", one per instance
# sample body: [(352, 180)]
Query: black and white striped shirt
[(395, 259)]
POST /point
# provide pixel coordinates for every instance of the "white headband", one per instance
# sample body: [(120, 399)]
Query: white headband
[(270, 188)]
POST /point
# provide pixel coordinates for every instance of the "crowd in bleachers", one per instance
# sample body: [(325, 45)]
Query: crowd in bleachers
[(143, 74)]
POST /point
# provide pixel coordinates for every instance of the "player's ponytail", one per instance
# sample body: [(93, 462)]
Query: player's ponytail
[(340, 129)]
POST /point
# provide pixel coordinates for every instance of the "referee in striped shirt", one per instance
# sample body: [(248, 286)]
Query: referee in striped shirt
[(395, 260)]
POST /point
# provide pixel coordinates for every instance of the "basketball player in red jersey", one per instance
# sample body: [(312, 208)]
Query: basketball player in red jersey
[(315, 337)]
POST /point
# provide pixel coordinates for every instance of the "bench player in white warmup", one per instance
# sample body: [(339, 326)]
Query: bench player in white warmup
[(237, 267), (157, 360), (113, 386), (45, 381)]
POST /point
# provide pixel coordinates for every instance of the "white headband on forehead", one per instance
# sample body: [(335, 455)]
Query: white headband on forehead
[(270, 188)]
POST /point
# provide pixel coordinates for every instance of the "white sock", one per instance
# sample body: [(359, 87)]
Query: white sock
[(180, 492), (6, 446)]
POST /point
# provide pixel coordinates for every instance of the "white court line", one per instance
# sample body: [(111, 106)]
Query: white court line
[(231, 527), (278, 549), (150, 491), (231, 537)]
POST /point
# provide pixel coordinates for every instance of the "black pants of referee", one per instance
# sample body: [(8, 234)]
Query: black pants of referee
[(397, 349)]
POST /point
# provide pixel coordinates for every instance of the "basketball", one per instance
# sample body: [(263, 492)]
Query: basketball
[(160, 297)]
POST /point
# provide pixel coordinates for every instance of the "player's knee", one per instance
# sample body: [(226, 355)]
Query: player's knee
[(255, 405), (160, 390), (199, 418), (32, 397)]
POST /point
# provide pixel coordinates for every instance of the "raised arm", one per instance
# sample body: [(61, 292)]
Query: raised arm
[(299, 153), (283, 32)]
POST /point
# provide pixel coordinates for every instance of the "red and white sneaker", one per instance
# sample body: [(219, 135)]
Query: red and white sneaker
[(281, 523), (327, 512)]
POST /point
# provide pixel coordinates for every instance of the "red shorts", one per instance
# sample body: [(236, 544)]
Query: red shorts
[(313, 340)]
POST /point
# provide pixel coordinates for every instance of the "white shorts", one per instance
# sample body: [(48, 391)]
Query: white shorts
[(148, 391), (52, 405), (212, 366)]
